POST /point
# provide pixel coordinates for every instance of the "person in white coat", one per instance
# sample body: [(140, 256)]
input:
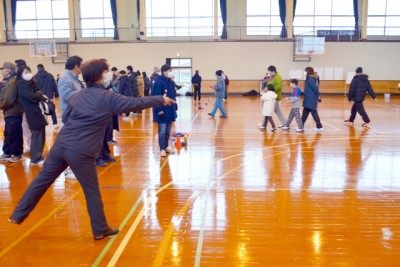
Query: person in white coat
[(268, 99)]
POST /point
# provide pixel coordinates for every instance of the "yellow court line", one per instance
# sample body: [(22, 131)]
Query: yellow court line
[(39, 223), (132, 229)]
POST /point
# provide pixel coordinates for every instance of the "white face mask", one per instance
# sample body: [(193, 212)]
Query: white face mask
[(27, 76), (106, 79), (170, 74)]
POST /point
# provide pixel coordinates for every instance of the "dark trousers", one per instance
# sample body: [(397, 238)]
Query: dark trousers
[(358, 106), (54, 118), (105, 149), (269, 119), (13, 140), (109, 133), (197, 92), (84, 168), (226, 93), (314, 113), (37, 144)]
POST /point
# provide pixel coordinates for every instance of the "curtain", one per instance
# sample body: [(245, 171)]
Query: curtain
[(138, 35), (282, 14), (13, 12), (115, 18), (355, 5), (222, 4)]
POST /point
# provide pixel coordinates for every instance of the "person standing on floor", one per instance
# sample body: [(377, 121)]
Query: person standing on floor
[(30, 96), (12, 110), (68, 85), (359, 87), (311, 98), (268, 99), (294, 99), (276, 81), (164, 116), (78, 143), (47, 84), (219, 95), (196, 81), (147, 84)]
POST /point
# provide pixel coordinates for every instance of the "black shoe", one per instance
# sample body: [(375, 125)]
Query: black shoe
[(100, 163), (10, 219), (224, 117), (110, 159), (109, 232), (211, 115)]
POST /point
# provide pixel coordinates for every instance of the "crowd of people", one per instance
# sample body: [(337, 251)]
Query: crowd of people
[(90, 111), (272, 95)]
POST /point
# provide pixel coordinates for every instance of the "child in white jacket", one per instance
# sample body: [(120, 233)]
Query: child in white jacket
[(268, 99)]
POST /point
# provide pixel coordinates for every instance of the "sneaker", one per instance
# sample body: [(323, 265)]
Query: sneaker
[(347, 122), (211, 115), (163, 153), (299, 130), (112, 142), (280, 126), (261, 127), (100, 163), (10, 219), (14, 159), (40, 163), (260, 124), (319, 129), (126, 119), (223, 117), (273, 130), (169, 150), (285, 128), (367, 124), (5, 157), (110, 159), (69, 174), (109, 232)]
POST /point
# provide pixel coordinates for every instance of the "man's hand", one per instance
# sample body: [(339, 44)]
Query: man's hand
[(168, 101)]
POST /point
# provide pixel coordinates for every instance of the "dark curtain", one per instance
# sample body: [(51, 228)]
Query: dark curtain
[(282, 14), (168, 61), (115, 18), (355, 5), (13, 12), (222, 4), (138, 19)]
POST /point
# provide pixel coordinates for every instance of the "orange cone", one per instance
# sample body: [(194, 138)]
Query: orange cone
[(178, 143)]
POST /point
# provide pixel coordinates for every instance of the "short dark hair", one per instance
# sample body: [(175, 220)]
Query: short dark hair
[(270, 87), (20, 62), (295, 81), (21, 70), (40, 66), (92, 71), (114, 69), (129, 67), (272, 68), (72, 62)]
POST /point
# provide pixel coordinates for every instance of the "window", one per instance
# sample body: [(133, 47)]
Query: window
[(96, 19), (314, 15), (182, 69), (262, 17), (42, 19), (181, 18), (383, 17)]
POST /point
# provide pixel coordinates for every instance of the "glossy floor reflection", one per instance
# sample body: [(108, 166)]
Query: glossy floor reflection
[(235, 196)]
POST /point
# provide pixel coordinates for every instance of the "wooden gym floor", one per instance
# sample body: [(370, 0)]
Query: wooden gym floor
[(235, 196)]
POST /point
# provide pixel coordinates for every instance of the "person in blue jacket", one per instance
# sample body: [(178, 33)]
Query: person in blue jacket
[(164, 116), (311, 98)]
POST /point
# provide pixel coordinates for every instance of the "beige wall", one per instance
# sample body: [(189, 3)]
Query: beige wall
[(240, 60)]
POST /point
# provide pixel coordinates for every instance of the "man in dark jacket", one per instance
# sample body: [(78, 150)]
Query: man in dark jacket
[(359, 87), (47, 84), (12, 110), (196, 81)]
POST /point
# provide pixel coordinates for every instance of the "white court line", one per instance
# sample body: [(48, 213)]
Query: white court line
[(337, 129)]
